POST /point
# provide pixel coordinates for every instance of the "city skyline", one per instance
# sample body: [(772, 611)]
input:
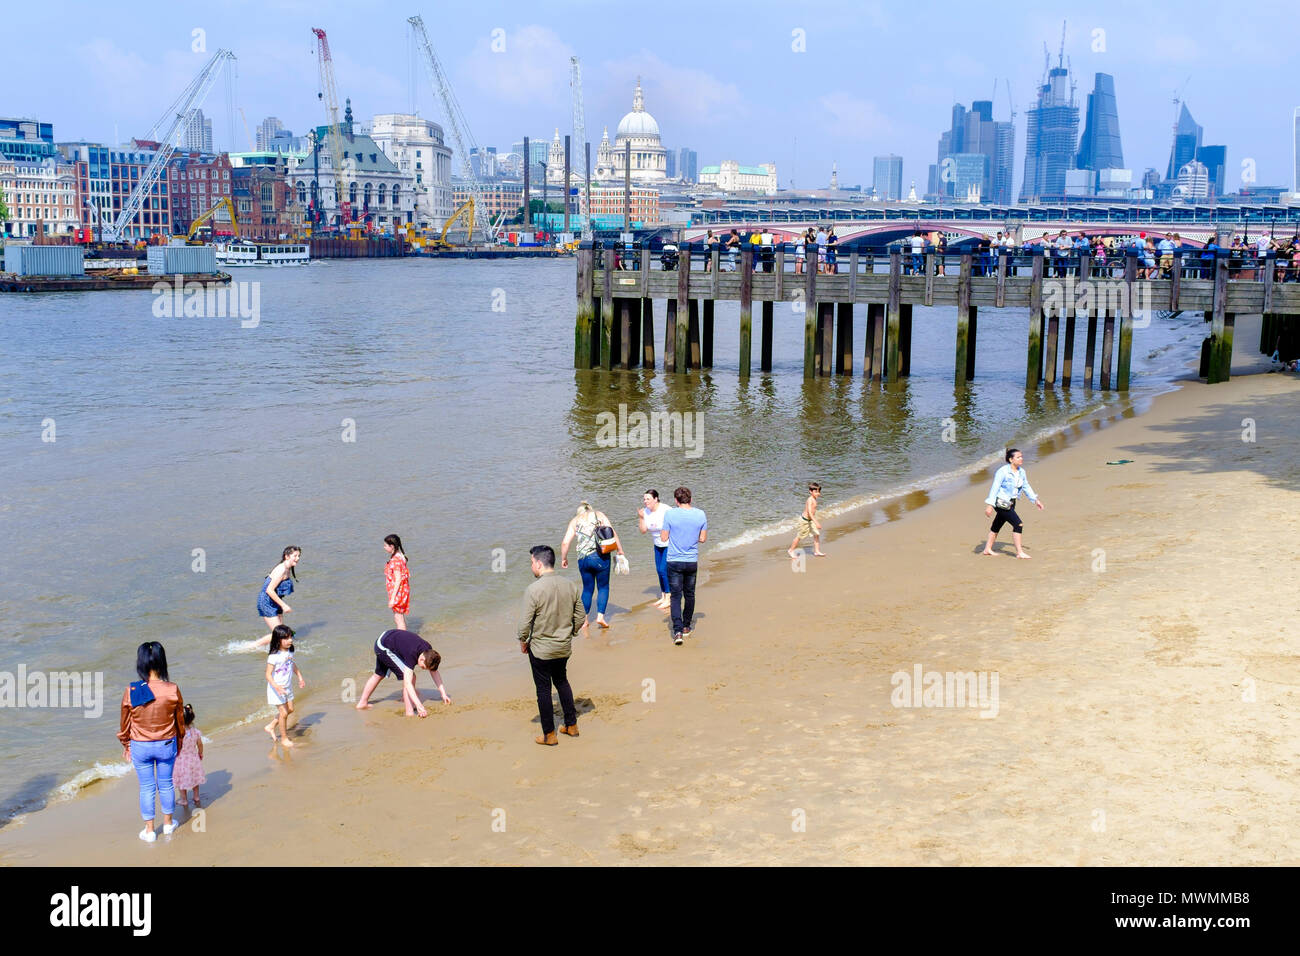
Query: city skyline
[(706, 95)]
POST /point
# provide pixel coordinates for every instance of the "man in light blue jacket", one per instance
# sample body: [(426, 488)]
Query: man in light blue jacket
[(1009, 483)]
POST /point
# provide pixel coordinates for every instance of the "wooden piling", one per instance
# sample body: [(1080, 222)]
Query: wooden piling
[(607, 314), (844, 353), (1067, 365), (746, 311), (706, 340), (1220, 332), (1000, 296), (905, 340), (681, 347), (892, 317), (586, 311), (1107, 348), (970, 346), (1089, 349), (1053, 333), (963, 321), (1176, 281), (1125, 350), (779, 295), (929, 278), (765, 347), (648, 333), (810, 350), (670, 336), (693, 329), (626, 345), (1270, 268), (871, 357), (1034, 355), (826, 337)]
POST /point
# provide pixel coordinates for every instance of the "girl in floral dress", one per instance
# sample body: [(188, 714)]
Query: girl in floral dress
[(398, 580), (188, 772)]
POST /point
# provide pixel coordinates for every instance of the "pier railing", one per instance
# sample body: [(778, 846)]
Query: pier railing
[(618, 284)]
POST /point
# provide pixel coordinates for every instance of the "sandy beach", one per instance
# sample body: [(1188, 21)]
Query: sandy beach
[(1146, 680)]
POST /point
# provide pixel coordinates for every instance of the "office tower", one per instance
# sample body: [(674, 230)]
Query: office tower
[(1187, 140), (1051, 136), (1100, 147), (974, 131), (266, 132), (670, 164), (688, 165), (1215, 160), (198, 133), (888, 179)]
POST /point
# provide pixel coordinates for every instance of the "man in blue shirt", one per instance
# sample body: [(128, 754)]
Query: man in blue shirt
[(685, 529)]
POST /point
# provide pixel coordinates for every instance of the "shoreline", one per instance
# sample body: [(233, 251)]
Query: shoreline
[(733, 556), (693, 777)]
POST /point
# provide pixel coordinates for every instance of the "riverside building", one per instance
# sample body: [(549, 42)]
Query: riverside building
[(417, 147)]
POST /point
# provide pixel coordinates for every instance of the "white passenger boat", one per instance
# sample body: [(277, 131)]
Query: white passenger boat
[(244, 252)]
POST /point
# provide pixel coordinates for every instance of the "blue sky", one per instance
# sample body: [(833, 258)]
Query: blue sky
[(723, 78)]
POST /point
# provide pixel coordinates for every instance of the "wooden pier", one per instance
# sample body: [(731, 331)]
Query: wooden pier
[(615, 326)]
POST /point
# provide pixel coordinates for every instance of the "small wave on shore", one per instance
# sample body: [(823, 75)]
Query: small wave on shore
[(100, 771)]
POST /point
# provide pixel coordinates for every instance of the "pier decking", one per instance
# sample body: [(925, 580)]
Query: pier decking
[(616, 292)]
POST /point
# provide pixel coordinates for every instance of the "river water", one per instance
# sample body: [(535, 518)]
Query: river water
[(433, 399)]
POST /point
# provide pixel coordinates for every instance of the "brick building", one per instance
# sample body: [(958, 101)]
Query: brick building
[(198, 182)]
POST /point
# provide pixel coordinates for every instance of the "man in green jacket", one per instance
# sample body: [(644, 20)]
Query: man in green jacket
[(553, 616)]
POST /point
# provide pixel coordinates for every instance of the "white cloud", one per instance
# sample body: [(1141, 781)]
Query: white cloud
[(532, 70), (855, 118), (677, 96)]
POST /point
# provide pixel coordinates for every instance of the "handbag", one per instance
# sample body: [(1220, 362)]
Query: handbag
[(1004, 502), (606, 542)]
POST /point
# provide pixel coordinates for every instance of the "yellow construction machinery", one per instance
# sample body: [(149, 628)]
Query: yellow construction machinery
[(194, 226), (466, 208)]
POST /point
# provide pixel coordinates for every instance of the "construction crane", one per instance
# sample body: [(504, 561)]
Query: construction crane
[(459, 125), (247, 132), (333, 135), (166, 132), (580, 143), (230, 211)]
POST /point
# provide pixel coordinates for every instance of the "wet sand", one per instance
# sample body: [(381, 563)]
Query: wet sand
[(1146, 673)]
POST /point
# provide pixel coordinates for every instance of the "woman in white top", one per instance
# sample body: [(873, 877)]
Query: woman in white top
[(592, 565), (650, 520), (1009, 483)]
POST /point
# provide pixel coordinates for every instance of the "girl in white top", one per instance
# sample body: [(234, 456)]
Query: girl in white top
[(650, 519), (280, 671), (1009, 483)]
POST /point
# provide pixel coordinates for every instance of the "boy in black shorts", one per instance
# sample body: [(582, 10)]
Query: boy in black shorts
[(400, 653)]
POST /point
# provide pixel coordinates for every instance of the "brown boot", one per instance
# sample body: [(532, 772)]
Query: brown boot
[(571, 731), (548, 740)]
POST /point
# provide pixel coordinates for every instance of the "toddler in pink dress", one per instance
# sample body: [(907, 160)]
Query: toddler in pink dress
[(188, 772)]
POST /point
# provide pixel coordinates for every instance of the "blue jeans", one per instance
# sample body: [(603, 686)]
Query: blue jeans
[(150, 758), (681, 580), (661, 566), (594, 569)]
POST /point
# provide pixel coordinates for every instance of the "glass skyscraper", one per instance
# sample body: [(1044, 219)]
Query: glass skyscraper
[(1051, 138), (974, 131), (1100, 147), (1187, 140), (888, 179)]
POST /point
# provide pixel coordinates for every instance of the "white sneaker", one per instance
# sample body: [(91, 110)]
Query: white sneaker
[(168, 828), (148, 835)]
